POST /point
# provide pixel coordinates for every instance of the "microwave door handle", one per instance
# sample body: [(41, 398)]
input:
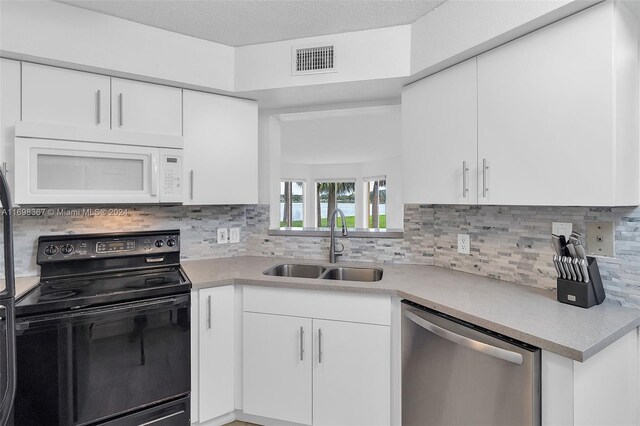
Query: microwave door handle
[(467, 342), (154, 174)]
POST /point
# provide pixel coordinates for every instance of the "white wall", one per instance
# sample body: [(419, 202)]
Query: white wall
[(59, 34), (354, 135), (458, 30), (360, 55)]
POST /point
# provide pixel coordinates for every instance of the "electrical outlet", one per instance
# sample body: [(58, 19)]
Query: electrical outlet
[(600, 238), (234, 235), (223, 235), (463, 243), (562, 228)]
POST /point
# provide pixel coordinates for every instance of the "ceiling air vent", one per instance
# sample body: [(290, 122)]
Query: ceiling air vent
[(313, 60)]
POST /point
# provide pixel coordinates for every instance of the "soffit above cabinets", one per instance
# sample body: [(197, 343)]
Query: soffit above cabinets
[(240, 23)]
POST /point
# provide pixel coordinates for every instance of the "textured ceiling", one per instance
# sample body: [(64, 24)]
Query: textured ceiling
[(243, 22)]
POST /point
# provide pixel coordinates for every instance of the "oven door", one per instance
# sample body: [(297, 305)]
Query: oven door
[(92, 365)]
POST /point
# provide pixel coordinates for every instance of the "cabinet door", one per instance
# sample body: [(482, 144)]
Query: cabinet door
[(440, 132), (10, 115), (220, 149), (217, 352), (144, 107), (277, 367), (195, 355), (545, 111), (351, 374), (61, 96)]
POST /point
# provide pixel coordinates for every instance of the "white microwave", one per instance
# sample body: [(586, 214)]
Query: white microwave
[(56, 171)]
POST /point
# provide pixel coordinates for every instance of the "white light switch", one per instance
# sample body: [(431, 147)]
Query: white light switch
[(562, 228), (223, 235), (234, 235)]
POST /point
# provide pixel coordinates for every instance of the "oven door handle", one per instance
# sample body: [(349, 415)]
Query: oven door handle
[(40, 320)]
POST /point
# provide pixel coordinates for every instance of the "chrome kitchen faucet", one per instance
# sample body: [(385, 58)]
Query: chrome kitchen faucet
[(333, 253)]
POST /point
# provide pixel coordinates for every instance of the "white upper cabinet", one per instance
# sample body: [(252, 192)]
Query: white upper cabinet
[(62, 96), (440, 131), (558, 113), (220, 149), (9, 114), (555, 120), (145, 107)]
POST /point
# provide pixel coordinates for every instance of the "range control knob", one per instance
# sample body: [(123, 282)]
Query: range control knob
[(171, 242), (159, 243), (50, 250), (66, 249)]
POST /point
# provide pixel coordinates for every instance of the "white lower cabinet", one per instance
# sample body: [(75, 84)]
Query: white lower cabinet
[(277, 367), (351, 376), (213, 390), (316, 371)]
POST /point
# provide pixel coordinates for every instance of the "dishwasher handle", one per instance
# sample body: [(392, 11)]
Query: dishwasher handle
[(485, 348)]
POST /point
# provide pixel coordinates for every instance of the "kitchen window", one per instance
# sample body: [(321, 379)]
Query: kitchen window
[(292, 203), (335, 194), (376, 202)]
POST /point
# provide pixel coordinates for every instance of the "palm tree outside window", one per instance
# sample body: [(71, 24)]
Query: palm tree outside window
[(332, 195), (292, 203), (376, 196)]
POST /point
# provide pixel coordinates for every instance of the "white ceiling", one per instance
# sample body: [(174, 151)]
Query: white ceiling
[(244, 22), (341, 136)]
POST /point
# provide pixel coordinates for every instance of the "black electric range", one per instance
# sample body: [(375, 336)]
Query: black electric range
[(105, 336)]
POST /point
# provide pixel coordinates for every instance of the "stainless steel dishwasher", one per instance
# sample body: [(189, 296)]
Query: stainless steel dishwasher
[(454, 373)]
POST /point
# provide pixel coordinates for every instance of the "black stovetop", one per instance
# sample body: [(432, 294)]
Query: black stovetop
[(72, 293), (80, 271)]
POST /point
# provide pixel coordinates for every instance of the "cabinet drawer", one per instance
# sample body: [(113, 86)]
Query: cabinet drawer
[(354, 307)]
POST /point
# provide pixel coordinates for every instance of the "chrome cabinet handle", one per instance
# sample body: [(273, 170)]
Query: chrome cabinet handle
[(120, 113), (485, 348), (301, 343), (209, 312), (319, 346), (465, 188), (191, 185), (98, 107), (4, 168), (484, 177)]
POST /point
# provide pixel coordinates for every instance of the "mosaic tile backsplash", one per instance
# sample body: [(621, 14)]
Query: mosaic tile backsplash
[(197, 225), (507, 243)]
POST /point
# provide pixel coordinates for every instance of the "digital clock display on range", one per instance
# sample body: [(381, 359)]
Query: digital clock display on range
[(115, 246)]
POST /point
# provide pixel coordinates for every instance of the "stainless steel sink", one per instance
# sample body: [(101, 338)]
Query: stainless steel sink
[(295, 270), (353, 274)]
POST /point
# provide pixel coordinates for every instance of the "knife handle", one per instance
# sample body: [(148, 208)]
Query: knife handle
[(585, 270), (577, 268), (569, 267), (557, 266)]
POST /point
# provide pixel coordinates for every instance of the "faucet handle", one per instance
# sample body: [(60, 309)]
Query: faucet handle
[(339, 252)]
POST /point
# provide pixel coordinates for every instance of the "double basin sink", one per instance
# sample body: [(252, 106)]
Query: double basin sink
[(332, 273)]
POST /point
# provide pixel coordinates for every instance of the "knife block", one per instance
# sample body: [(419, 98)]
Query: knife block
[(582, 294)]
